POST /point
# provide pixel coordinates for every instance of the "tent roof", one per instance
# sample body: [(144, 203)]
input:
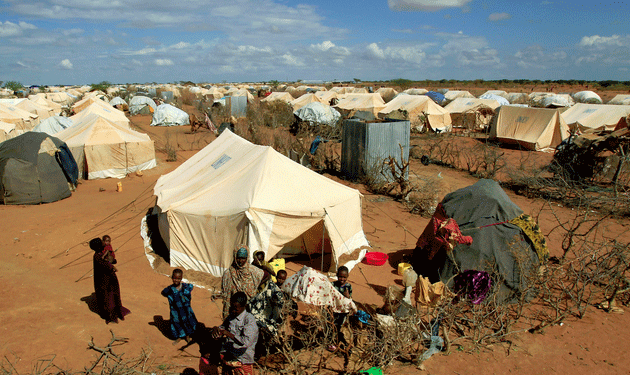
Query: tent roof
[(460, 105), (595, 117), (97, 130), (231, 175), (362, 102), (303, 100), (413, 103), (104, 110), (279, 95)]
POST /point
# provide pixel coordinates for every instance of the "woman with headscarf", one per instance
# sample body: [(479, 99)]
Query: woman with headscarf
[(106, 285), (240, 277)]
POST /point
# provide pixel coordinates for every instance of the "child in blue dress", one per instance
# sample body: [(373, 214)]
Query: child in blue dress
[(183, 320)]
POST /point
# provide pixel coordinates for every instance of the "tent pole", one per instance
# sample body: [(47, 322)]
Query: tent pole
[(323, 233)]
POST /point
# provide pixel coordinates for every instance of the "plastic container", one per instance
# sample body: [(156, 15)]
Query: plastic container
[(402, 267), (119, 187), (375, 258)]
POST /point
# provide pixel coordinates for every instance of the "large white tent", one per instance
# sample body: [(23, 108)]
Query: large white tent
[(471, 113), (102, 109), (532, 128), (233, 192), (104, 149)]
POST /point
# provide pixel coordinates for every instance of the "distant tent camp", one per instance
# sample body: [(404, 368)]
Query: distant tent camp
[(327, 97), (35, 168), (85, 102), (167, 115), (317, 113), (596, 117), (471, 113), (532, 128), (500, 99), (556, 101), (102, 109), (104, 149), (43, 112), (501, 240), (451, 95), (419, 110), (234, 192), (415, 91), (142, 105), (53, 125), (517, 98)]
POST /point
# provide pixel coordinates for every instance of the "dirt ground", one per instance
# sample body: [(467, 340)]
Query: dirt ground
[(46, 268)]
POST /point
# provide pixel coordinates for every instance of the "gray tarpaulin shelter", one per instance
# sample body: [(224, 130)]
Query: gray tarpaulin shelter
[(484, 212), (35, 168)]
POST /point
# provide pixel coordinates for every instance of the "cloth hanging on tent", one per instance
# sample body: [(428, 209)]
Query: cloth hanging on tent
[(533, 233), (472, 284), (441, 233)]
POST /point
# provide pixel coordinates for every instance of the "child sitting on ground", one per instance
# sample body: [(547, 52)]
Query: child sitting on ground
[(281, 277), (240, 334), (108, 251), (344, 287), (183, 320)]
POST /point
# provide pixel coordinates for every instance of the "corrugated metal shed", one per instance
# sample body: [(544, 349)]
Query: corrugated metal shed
[(237, 105), (366, 144)]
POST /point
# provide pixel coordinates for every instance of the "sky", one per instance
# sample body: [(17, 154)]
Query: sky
[(74, 42)]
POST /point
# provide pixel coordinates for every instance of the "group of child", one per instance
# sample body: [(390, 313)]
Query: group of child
[(239, 331)]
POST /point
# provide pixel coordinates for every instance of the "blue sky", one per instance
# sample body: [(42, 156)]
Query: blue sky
[(124, 41)]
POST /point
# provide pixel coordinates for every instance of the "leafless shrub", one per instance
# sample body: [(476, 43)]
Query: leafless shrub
[(187, 97), (271, 114)]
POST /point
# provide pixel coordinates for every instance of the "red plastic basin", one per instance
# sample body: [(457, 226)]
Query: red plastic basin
[(375, 258)]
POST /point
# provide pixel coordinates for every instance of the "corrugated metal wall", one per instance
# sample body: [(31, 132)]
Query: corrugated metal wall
[(365, 145)]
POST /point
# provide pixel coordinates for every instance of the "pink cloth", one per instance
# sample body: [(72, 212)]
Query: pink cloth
[(442, 233)]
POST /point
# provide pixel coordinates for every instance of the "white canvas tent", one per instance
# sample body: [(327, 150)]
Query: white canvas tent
[(318, 113), (104, 149), (233, 192), (303, 100), (139, 102), (53, 125), (532, 128), (587, 97), (415, 108), (595, 117), (620, 99), (22, 119)]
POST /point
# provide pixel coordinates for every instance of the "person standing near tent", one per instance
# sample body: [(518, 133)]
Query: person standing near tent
[(106, 285), (240, 277), (183, 320)]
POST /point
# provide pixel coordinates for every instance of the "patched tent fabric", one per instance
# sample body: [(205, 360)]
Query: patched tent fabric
[(233, 192), (532, 128), (22, 119), (353, 103), (451, 95), (588, 97), (53, 125), (472, 113), (167, 115), (104, 149), (104, 110), (139, 102), (595, 117), (415, 108), (303, 100), (620, 99), (35, 168), (484, 212), (278, 95), (86, 102), (318, 113)]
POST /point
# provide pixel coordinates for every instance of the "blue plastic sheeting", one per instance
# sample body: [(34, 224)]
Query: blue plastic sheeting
[(436, 96)]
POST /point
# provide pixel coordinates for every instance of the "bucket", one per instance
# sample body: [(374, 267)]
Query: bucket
[(402, 267)]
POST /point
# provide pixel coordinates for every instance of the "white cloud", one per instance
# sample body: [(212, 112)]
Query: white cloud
[(323, 46), (374, 50), (499, 16), (180, 45), (136, 62), (605, 41), (9, 29), (291, 60), (163, 62), (425, 5), (144, 51), (65, 64)]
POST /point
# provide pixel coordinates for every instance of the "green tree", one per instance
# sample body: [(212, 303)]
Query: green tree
[(100, 86), (13, 85)]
